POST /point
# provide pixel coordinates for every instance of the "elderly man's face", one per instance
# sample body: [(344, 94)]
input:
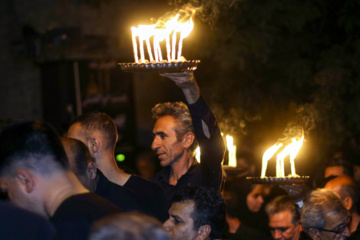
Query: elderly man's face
[(180, 224), (336, 227), (166, 145), (282, 228)]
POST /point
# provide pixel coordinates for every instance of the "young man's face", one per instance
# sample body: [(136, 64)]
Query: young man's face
[(282, 227), (180, 224), (165, 143)]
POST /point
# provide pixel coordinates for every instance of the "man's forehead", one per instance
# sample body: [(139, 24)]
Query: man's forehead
[(182, 208), (335, 218), (164, 124), (282, 217)]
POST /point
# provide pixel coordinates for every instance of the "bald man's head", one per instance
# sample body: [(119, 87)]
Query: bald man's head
[(347, 189)]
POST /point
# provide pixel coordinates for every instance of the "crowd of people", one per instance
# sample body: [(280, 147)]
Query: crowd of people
[(70, 187)]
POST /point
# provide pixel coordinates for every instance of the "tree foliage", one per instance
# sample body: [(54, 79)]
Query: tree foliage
[(270, 65)]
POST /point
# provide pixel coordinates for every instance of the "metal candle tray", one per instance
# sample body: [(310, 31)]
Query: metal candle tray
[(160, 66), (276, 180)]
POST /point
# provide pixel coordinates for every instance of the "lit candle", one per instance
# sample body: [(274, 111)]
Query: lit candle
[(173, 51), (141, 43), (168, 49), (267, 156), (231, 151), (134, 34), (148, 46), (198, 154), (296, 145)]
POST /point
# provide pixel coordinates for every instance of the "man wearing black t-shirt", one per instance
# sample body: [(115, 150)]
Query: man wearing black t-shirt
[(82, 164), (34, 170), (98, 132)]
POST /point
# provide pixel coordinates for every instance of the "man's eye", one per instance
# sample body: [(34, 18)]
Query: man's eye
[(283, 229), (177, 221)]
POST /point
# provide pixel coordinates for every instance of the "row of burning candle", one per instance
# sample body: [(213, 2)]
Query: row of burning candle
[(231, 148), (290, 150), (157, 33)]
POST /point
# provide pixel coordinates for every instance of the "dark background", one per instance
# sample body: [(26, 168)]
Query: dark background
[(268, 68)]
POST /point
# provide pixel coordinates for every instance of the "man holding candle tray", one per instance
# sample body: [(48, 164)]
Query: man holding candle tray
[(176, 132)]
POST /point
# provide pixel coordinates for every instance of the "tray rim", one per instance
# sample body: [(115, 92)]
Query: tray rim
[(173, 66), (276, 180)]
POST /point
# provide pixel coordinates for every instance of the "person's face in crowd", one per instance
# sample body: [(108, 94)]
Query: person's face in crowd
[(336, 227), (180, 224), (74, 132), (333, 171), (282, 227), (254, 199), (166, 145)]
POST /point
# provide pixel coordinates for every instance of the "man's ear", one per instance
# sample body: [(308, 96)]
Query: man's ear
[(26, 179), (348, 203), (188, 139), (203, 232), (314, 234), (94, 144), (91, 170)]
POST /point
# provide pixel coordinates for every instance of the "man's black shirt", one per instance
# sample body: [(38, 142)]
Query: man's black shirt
[(73, 218), (122, 197), (152, 196), (19, 224)]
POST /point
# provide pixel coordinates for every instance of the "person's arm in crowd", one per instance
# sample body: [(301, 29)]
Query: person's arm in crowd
[(207, 131)]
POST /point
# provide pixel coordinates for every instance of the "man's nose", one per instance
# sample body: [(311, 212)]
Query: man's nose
[(261, 199), (166, 225), (277, 235), (155, 144)]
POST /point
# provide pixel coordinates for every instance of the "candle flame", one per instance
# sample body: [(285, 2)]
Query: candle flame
[(231, 151), (267, 156), (157, 33), (290, 150)]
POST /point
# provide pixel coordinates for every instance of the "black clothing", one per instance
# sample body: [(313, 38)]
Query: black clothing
[(355, 235), (122, 197), (209, 172), (246, 233), (19, 224), (73, 218), (152, 197), (303, 236)]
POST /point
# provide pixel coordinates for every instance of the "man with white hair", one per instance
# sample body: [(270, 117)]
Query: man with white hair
[(324, 217)]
